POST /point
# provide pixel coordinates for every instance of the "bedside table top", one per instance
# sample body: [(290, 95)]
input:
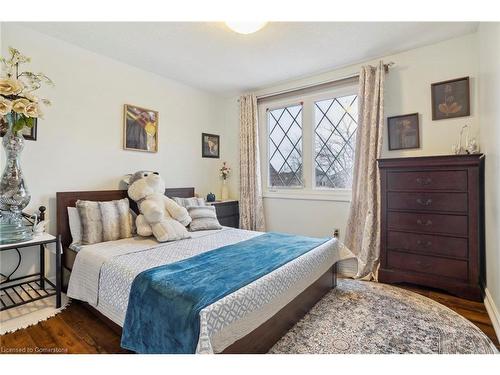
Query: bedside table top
[(36, 240), (228, 201)]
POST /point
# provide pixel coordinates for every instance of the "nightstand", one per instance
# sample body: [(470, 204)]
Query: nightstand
[(228, 212), (25, 289)]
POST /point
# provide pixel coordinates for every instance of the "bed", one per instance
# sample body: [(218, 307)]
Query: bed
[(249, 320)]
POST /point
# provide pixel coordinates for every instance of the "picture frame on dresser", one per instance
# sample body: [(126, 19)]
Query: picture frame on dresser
[(432, 223)]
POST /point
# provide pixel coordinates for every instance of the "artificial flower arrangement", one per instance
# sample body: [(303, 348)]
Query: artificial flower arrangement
[(17, 91), (225, 171)]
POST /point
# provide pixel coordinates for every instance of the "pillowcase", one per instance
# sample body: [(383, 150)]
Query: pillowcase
[(90, 217), (186, 202), (115, 217), (101, 221), (75, 228), (204, 218)]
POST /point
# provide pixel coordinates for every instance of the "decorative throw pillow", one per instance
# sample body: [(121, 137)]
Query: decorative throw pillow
[(75, 227), (204, 218), (90, 216), (186, 202), (115, 217)]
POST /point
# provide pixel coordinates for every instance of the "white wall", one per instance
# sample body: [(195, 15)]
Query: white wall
[(79, 145), (489, 92), (407, 90)]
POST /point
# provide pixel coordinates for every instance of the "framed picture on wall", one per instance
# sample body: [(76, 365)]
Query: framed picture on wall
[(210, 145), (404, 132), (140, 129), (28, 133), (450, 99)]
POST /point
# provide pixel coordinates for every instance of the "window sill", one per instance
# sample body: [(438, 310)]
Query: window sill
[(319, 195)]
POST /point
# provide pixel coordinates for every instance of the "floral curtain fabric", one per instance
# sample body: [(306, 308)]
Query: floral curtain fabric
[(251, 206), (363, 225)]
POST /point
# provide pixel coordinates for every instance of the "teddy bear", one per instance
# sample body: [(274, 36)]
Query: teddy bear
[(159, 216)]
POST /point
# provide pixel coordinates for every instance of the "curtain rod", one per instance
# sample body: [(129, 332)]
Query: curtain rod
[(317, 84)]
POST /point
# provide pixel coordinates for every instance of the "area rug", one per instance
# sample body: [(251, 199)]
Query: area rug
[(372, 318), (31, 313)]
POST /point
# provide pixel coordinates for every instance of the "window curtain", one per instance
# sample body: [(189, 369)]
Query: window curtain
[(251, 206), (363, 225)]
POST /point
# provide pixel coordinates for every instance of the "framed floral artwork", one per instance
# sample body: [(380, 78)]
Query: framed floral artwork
[(450, 99), (140, 129), (404, 132), (28, 133), (210, 145)]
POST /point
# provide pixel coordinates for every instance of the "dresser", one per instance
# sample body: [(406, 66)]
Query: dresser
[(228, 213), (432, 223)]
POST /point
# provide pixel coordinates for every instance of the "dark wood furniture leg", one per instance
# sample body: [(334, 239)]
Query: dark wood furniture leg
[(58, 272)]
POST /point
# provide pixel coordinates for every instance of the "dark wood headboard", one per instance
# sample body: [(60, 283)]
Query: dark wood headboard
[(68, 199)]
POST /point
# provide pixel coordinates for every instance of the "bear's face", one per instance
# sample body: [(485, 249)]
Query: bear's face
[(144, 183)]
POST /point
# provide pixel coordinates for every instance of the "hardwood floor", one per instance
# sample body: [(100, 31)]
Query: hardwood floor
[(77, 330)]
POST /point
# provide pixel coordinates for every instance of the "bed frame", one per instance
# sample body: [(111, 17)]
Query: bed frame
[(261, 339)]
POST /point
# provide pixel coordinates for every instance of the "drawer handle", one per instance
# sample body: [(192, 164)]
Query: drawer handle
[(425, 245), (424, 181), (426, 202), (426, 223)]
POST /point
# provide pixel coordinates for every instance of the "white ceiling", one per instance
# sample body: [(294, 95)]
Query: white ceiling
[(209, 56)]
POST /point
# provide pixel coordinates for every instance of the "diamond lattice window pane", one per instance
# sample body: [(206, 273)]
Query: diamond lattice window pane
[(336, 121), (285, 146)]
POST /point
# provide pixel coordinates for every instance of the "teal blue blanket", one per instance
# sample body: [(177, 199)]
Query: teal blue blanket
[(165, 302)]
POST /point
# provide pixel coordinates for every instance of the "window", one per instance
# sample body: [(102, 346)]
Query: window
[(308, 142), (335, 123), (285, 146)]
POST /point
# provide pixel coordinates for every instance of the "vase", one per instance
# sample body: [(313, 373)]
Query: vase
[(14, 194), (224, 193)]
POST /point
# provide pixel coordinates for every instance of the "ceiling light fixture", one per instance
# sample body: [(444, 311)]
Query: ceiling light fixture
[(245, 27)]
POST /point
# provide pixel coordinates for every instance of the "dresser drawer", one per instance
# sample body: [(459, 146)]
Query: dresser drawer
[(226, 208), (428, 223), (428, 244), (456, 269), (426, 201), (427, 180)]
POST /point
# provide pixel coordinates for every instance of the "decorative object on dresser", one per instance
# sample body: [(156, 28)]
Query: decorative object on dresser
[(469, 147), (228, 212), (210, 197), (450, 99), (19, 108), (432, 222), (403, 132), (225, 171)]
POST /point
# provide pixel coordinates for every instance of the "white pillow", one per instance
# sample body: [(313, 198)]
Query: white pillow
[(75, 226)]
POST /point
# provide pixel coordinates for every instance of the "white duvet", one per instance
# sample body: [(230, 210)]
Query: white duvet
[(102, 275)]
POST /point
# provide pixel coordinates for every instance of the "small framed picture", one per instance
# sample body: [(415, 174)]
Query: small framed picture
[(210, 145), (28, 133), (140, 129), (403, 132), (450, 99)]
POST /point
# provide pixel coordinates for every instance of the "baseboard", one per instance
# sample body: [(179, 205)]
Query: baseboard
[(492, 312)]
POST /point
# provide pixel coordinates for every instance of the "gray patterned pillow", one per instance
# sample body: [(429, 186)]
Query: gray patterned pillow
[(204, 218), (115, 220), (105, 221), (90, 216), (186, 202)]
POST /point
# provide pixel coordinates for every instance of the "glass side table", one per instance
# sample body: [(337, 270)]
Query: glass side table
[(16, 291)]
